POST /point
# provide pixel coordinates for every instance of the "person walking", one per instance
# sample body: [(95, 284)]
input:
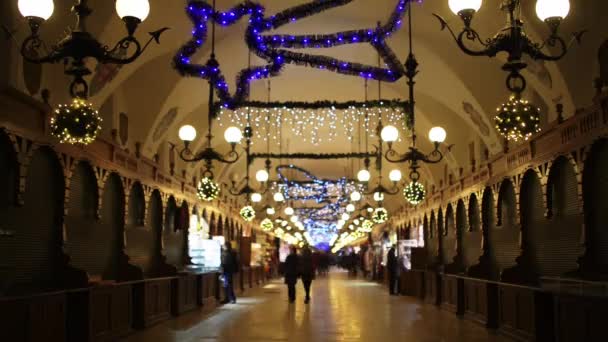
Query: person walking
[(230, 266), (391, 268), (307, 271), (291, 269)]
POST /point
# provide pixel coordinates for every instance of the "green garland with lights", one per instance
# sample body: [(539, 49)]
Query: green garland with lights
[(380, 215), (367, 226), (76, 123), (517, 119), (207, 190), (267, 225), (248, 213), (414, 193)]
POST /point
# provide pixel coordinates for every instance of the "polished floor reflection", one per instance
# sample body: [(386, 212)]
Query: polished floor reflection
[(341, 309)]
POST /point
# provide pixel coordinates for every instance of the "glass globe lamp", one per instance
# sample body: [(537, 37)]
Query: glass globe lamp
[(345, 217), (187, 133), (278, 197), (437, 135), (355, 196), (364, 176), (458, 6), (350, 208), (270, 211), (378, 197), (262, 176), (256, 197), (294, 219), (395, 175), (288, 211), (233, 135), (139, 9), (552, 9), (389, 134), (42, 9)]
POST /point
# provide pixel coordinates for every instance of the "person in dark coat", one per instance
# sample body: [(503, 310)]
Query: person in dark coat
[(291, 269), (307, 271), (391, 268), (230, 266)]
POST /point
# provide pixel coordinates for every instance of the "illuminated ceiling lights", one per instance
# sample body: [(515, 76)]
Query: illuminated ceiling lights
[(516, 43)]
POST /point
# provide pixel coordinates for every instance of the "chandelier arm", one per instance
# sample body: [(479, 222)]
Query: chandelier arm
[(535, 51), (231, 158), (433, 158), (32, 47), (183, 154), (467, 33), (390, 156), (124, 44)]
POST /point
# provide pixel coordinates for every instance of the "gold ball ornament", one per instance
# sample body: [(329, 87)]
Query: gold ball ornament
[(248, 213), (267, 225), (414, 193), (207, 190), (380, 215), (76, 123), (517, 119)]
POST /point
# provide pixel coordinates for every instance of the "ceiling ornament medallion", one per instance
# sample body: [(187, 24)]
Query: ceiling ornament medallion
[(272, 48)]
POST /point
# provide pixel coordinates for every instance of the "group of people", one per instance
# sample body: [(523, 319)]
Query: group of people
[(300, 266)]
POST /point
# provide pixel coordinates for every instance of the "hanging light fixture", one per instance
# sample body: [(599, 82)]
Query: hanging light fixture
[(355, 196), (74, 50), (288, 211), (514, 41), (270, 211), (390, 134)]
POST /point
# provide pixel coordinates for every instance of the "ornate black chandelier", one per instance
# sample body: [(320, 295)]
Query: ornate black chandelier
[(79, 44), (513, 40), (232, 135), (390, 134)]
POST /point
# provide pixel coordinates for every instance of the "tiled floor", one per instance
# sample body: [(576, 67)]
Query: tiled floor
[(340, 310)]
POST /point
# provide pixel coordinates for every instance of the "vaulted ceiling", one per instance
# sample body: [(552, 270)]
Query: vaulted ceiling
[(453, 90)]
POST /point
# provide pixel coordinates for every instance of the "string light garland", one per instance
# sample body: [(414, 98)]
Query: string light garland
[(76, 123), (414, 193), (380, 215), (247, 213), (274, 48), (207, 190), (267, 225), (367, 226), (517, 119), (308, 119)]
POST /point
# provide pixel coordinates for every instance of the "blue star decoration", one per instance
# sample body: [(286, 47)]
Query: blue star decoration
[(272, 48)]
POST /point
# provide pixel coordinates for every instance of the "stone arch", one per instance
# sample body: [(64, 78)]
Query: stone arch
[(474, 214), (136, 212), (9, 172), (595, 188), (113, 221), (561, 234), (170, 214), (426, 229), (452, 242), (175, 240), (532, 220), (143, 243), (29, 260), (212, 225), (220, 226), (506, 205), (487, 266), (83, 231)]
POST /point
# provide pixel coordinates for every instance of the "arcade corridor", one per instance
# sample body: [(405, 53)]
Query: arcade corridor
[(342, 309)]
